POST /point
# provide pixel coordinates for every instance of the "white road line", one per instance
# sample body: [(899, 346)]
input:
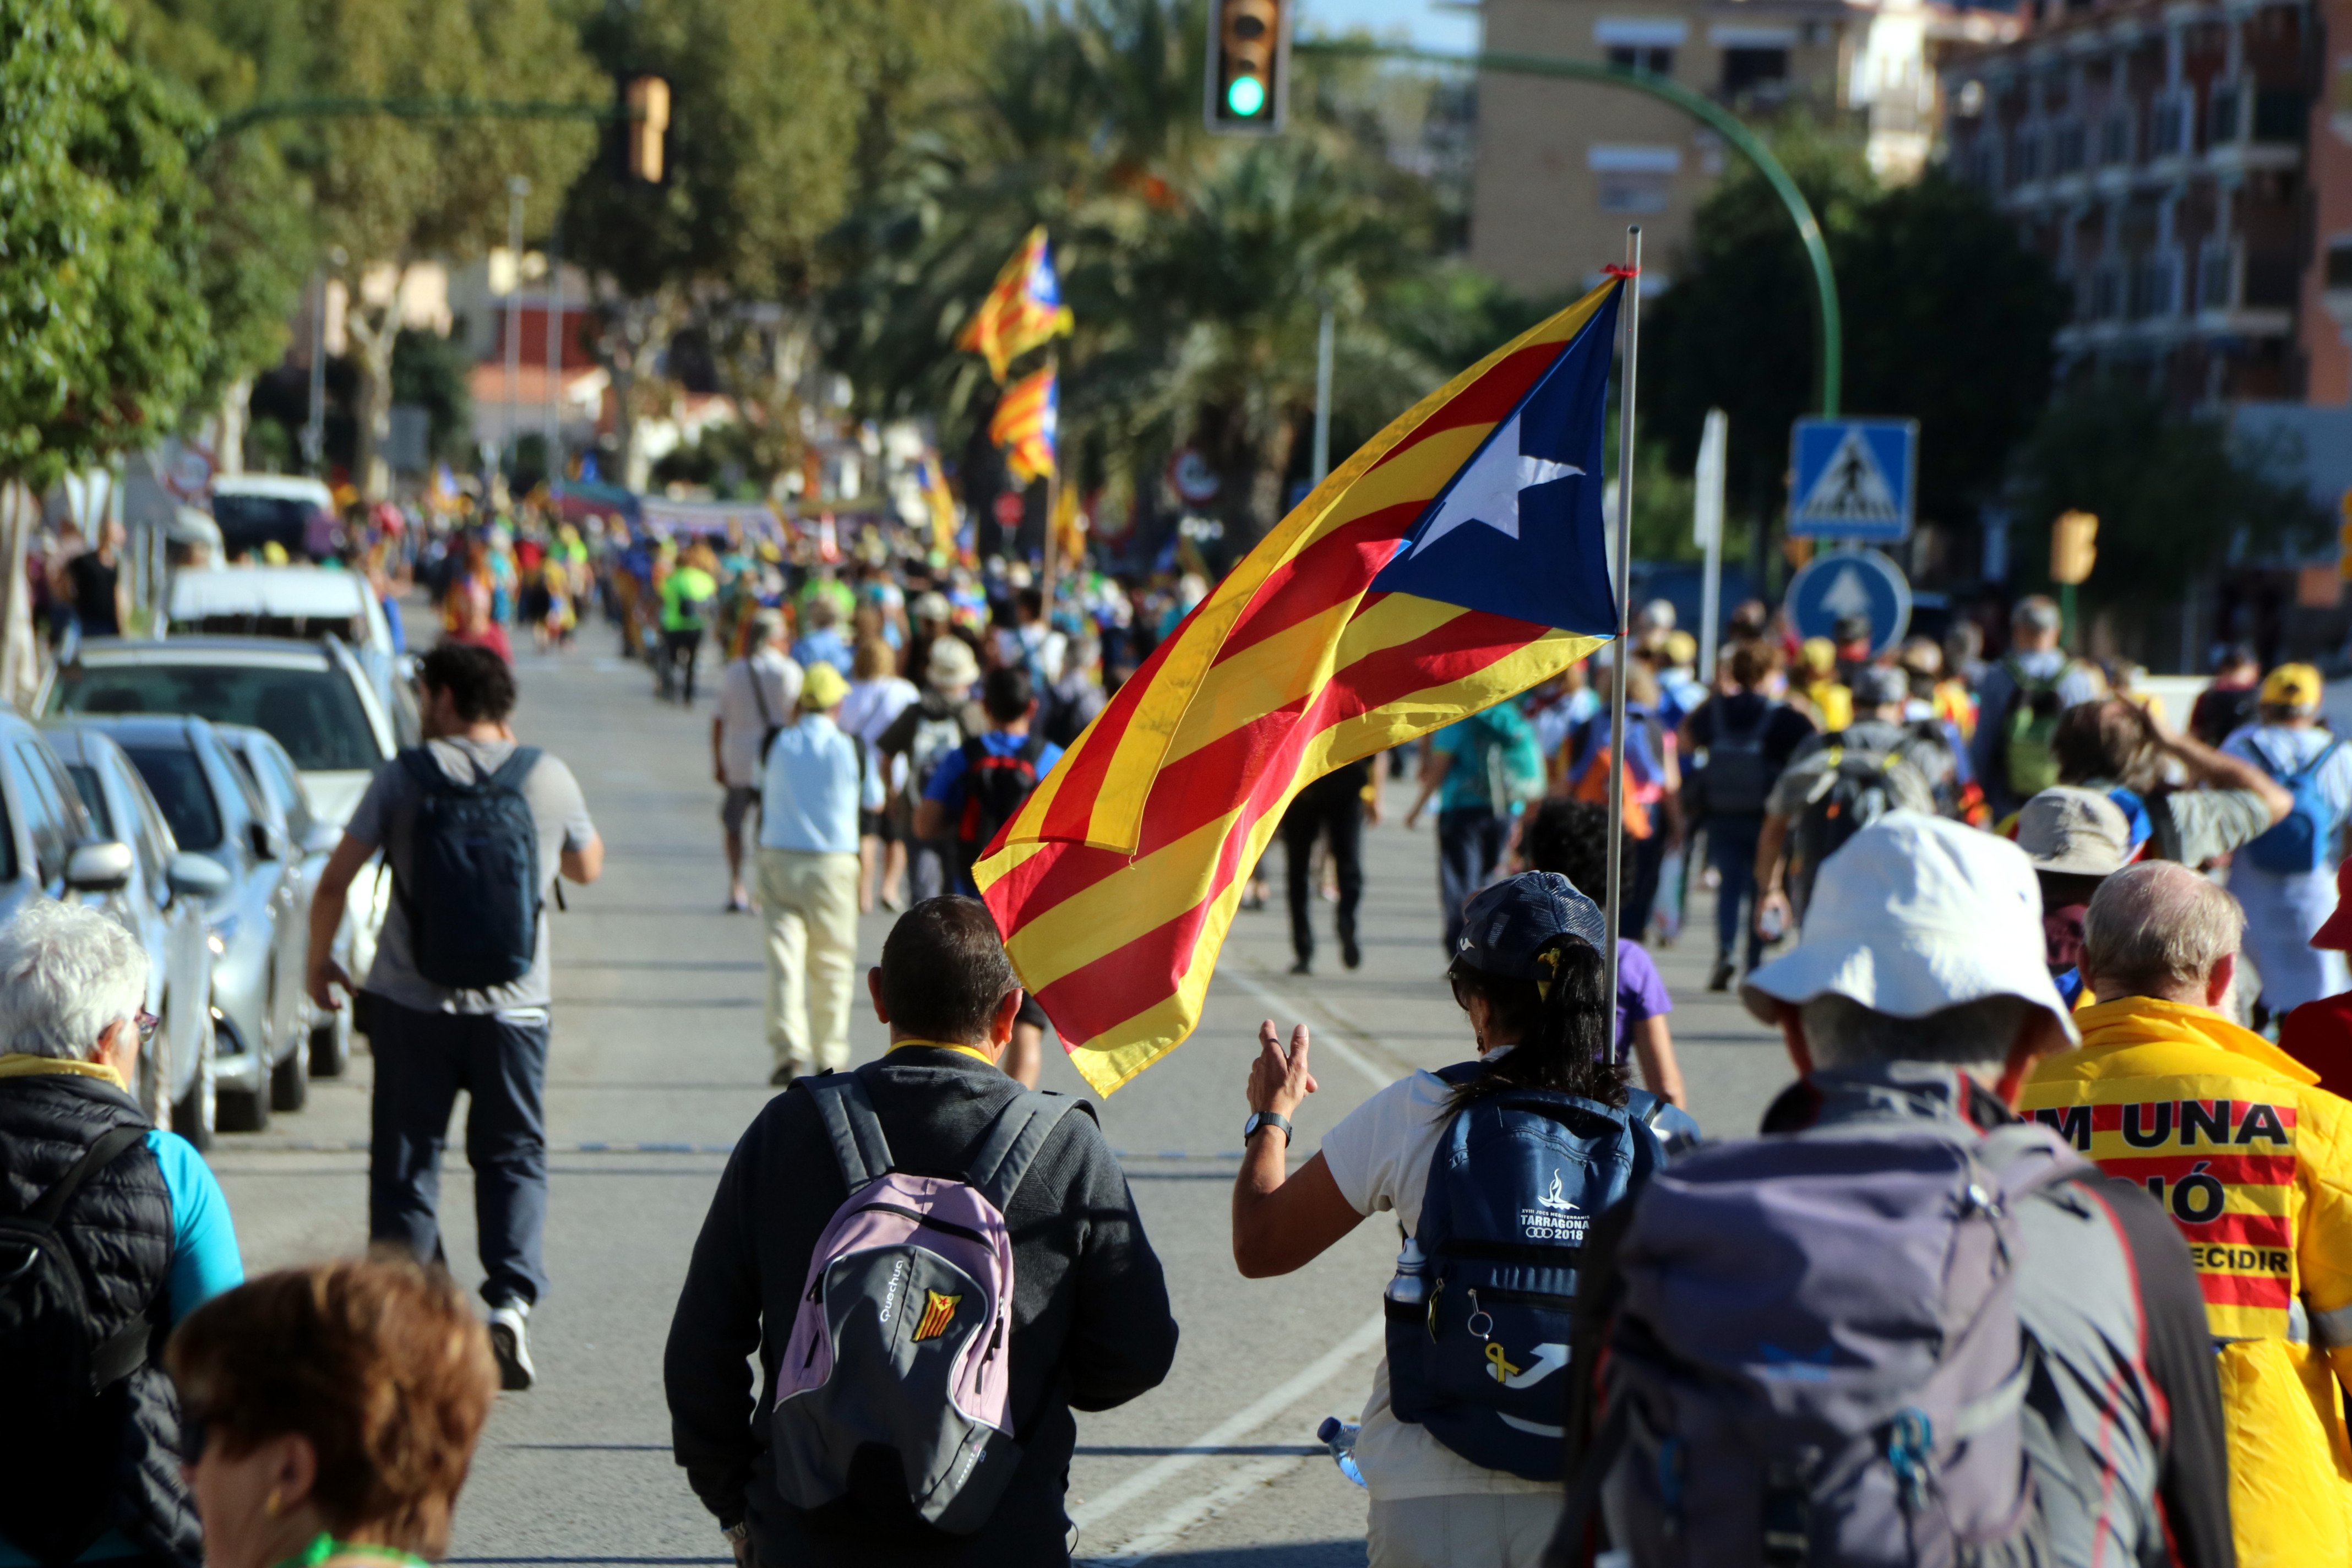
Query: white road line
[(1378, 1075), (1171, 1526), (1201, 1449)]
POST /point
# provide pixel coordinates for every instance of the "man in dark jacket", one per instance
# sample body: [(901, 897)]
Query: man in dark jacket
[(1091, 1327), (146, 1231)]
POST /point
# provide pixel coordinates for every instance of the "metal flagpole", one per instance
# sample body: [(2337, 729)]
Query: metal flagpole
[(1620, 653), (1052, 488)]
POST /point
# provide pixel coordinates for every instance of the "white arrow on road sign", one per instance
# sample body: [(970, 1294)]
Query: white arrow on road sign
[(1849, 595), (1852, 489)]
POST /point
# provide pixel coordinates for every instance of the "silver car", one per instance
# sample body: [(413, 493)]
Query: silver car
[(162, 904), (259, 925), (287, 803)]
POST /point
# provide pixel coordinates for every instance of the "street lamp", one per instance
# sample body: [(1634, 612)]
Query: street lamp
[(517, 189)]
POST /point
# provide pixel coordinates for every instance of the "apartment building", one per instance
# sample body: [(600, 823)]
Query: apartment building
[(2326, 307), (1564, 166), (2160, 153)]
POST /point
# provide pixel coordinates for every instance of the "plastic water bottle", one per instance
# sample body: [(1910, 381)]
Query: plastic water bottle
[(1411, 1286), (1340, 1437)]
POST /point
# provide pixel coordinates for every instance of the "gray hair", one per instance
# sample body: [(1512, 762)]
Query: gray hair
[(767, 626), (1975, 1036), (68, 974), (2157, 928), (2036, 612)]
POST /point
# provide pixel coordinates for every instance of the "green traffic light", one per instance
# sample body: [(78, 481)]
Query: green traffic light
[(1245, 94)]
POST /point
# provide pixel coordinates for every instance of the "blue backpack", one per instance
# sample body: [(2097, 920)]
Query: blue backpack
[(472, 893), (1516, 1182), (2298, 842)]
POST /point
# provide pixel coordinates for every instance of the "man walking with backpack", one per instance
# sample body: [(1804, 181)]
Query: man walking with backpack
[(1746, 737), (476, 829), (926, 732), (1900, 1327), (890, 1348), (1483, 770), (756, 697), (2286, 880), (2019, 704)]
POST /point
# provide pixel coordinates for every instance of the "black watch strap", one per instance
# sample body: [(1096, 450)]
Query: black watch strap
[(1268, 1119)]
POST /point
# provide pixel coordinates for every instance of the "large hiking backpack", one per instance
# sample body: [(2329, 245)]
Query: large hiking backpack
[(2303, 839), (472, 893), (2027, 764), (57, 1368), (894, 1376), (1516, 1180), (994, 785), (1738, 777), (1855, 790), (1818, 1357)]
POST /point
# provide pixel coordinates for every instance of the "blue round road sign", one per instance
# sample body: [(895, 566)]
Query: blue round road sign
[(1852, 583)]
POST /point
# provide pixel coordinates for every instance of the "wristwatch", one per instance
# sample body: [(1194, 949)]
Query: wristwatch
[(737, 1532), (1267, 1118)]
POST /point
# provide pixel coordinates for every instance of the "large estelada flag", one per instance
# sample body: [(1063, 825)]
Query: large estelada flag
[(1026, 424), (1022, 310), (1456, 560)]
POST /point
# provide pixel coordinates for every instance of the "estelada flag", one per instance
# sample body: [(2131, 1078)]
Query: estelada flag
[(1022, 310), (1456, 560), (1024, 424)]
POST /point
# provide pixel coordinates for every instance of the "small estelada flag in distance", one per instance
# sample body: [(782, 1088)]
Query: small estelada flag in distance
[(1022, 310), (938, 1311), (1456, 560), (1027, 418)]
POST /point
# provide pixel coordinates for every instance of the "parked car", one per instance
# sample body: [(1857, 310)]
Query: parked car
[(313, 697), (304, 604), (287, 807), (259, 924), (163, 904), (255, 511)]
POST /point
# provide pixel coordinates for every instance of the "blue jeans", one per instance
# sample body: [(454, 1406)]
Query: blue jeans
[(1470, 844), (1731, 850)]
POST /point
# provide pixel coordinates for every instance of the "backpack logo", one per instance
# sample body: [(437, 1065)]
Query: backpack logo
[(1554, 1218), (938, 1311), (1553, 1200)]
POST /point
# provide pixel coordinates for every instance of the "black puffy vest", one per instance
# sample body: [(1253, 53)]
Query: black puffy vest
[(120, 1230)]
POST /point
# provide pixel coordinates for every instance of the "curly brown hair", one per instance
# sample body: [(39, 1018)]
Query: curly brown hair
[(381, 1363)]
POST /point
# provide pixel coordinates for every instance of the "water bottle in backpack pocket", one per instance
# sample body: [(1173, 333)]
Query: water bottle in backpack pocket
[(1818, 1357), (894, 1376), (1481, 1358), (472, 894), (2303, 839)]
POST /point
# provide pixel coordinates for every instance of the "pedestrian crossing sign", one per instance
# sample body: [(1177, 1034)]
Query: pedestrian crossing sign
[(1854, 479)]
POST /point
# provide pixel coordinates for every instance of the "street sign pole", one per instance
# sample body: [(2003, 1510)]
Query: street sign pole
[(510, 440), (1323, 397), (1714, 450), (1620, 655)]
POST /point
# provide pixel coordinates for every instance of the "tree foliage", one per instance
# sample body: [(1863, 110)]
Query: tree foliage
[(100, 327)]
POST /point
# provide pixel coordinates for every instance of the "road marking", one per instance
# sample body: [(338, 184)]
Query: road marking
[(1376, 1075), (1201, 1449), (1171, 1526)]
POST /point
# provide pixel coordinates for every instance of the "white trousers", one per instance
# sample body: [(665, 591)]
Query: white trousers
[(809, 901)]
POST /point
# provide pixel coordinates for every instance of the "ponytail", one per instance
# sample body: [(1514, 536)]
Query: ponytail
[(1564, 1026)]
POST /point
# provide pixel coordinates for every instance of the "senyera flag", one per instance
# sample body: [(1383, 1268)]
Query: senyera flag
[(1456, 560)]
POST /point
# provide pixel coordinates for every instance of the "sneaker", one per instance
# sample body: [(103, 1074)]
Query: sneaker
[(1720, 980), (1349, 953), (783, 1074), (511, 1346), (1302, 966)]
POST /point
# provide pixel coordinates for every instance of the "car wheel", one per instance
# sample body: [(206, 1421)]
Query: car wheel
[(289, 1080), (244, 1111), (331, 1044), (194, 1113)]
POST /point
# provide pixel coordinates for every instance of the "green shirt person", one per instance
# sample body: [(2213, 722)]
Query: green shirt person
[(687, 596)]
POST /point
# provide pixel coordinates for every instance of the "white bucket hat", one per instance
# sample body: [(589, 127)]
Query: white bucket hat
[(1915, 915)]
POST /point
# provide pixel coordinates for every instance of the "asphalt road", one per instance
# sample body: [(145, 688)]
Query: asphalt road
[(659, 1059)]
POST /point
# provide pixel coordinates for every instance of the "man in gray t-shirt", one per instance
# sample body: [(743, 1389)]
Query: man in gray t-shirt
[(430, 1040)]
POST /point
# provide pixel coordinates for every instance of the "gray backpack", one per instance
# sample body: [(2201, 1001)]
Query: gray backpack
[(900, 1340), (1818, 1357)]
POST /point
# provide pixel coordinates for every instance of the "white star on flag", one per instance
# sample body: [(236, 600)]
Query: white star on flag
[(1488, 490)]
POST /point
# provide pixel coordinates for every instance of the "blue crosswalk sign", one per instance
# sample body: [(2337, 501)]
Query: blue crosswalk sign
[(1856, 478)]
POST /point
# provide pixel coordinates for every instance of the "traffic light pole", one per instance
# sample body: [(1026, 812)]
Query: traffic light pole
[(1829, 370)]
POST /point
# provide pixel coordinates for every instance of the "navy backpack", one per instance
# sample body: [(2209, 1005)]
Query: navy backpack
[(472, 893)]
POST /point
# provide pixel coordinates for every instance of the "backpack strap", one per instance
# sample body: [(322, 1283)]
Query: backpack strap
[(859, 1147), (1014, 1140), (95, 1158), (512, 771), (1033, 747)]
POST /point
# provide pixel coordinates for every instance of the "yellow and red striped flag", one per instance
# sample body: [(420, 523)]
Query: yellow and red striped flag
[(1025, 423), (1455, 560), (1022, 310)]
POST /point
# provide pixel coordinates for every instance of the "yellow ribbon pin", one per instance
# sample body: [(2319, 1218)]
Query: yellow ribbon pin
[(1504, 1370)]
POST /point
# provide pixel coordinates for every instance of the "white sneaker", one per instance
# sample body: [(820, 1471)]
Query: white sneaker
[(511, 1346)]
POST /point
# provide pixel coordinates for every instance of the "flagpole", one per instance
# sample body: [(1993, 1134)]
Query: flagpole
[(1052, 485), (1620, 655)]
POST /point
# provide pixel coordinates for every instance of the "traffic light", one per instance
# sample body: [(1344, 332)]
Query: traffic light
[(2074, 549), (1249, 66), (645, 128)]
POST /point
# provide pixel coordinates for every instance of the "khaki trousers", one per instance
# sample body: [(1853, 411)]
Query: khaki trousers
[(809, 901), (1498, 1530)]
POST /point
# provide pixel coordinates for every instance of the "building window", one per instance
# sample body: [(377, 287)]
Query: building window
[(2221, 118), (2115, 141), (1747, 70), (1639, 57), (1633, 193), (2170, 127), (2066, 153), (2028, 156)]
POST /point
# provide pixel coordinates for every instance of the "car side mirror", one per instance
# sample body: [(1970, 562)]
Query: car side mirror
[(190, 876), (264, 842), (103, 866), (321, 838)]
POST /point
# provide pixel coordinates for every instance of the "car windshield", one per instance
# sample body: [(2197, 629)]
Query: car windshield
[(249, 522), (315, 714), (93, 798), (177, 780)]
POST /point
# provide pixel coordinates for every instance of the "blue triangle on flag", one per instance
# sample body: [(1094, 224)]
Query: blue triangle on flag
[(1517, 531)]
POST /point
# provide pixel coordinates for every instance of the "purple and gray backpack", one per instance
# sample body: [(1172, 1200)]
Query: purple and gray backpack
[(900, 1343), (1818, 1358)]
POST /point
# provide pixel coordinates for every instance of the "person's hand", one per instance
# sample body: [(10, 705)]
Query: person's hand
[(1771, 907), (1412, 818), (1278, 1079), (743, 1555), (325, 975)]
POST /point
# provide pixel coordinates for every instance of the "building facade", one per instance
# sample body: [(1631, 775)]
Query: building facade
[(2160, 153)]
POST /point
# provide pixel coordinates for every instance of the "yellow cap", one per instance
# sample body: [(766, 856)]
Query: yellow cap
[(822, 689), (2292, 686), (1818, 655)]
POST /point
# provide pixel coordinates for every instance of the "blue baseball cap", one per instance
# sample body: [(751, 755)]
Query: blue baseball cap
[(1505, 927)]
